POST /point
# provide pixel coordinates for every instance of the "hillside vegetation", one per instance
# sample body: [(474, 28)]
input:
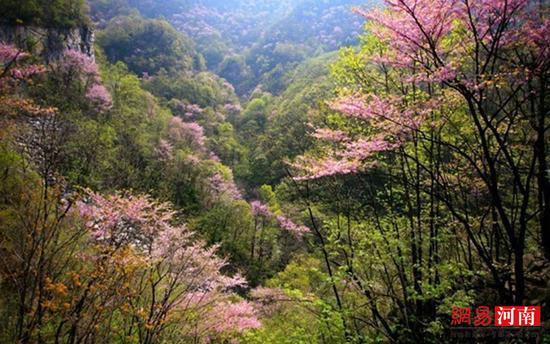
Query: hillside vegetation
[(285, 172)]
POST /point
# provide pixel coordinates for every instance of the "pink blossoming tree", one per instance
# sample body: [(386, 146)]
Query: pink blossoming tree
[(181, 276), (188, 133), (77, 68), (467, 80)]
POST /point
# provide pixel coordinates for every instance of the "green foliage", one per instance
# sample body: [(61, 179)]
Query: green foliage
[(204, 89), (254, 117), (230, 225), (109, 150), (102, 11), (304, 274), (352, 72), (147, 45), (304, 317), (13, 182), (45, 13), (228, 148), (139, 122), (235, 70), (275, 129), (214, 50)]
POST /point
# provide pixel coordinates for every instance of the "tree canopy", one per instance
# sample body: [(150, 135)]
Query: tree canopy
[(45, 13)]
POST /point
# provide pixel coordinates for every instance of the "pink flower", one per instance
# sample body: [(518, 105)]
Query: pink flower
[(76, 62), (235, 317), (192, 110), (260, 209), (196, 131), (165, 150), (417, 30), (232, 108), (192, 159), (220, 186), (363, 148), (28, 71), (9, 53), (330, 135), (191, 133), (214, 157), (369, 108), (293, 228), (267, 295), (98, 95), (312, 169), (133, 220)]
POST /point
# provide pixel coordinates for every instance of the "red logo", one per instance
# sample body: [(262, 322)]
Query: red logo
[(520, 316), (505, 316), (460, 316), (483, 316)]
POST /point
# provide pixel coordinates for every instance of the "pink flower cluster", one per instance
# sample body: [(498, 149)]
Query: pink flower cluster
[(369, 108), (313, 169), (400, 30), (268, 295), (9, 53), (330, 135), (98, 95), (288, 225), (416, 32), (237, 317), (196, 132), (10, 63), (191, 133), (220, 186), (173, 258), (26, 72), (164, 150), (260, 209), (443, 74), (232, 108), (382, 114), (76, 64), (191, 110), (214, 157), (394, 115), (219, 317), (391, 121), (361, 149), (118, 220), (433, 42)]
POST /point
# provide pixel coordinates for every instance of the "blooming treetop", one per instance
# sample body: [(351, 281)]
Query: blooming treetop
[(98, 95), (189, 132), (76, 62), (456, 44), (262, 210), (221, 186), (443, 39), (15, 73), (184, 271), (77, 65)]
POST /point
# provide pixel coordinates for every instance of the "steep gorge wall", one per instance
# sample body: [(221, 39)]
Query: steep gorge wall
[(49, 43)]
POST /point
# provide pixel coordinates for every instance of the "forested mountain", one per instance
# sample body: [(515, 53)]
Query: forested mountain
[(312, 28), (252, 43), (241, 171)]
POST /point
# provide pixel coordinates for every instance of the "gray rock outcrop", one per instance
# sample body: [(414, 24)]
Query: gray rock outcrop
[(49, 43)]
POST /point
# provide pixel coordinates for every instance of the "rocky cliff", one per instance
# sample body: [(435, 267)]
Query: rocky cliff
[(50, 44)]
